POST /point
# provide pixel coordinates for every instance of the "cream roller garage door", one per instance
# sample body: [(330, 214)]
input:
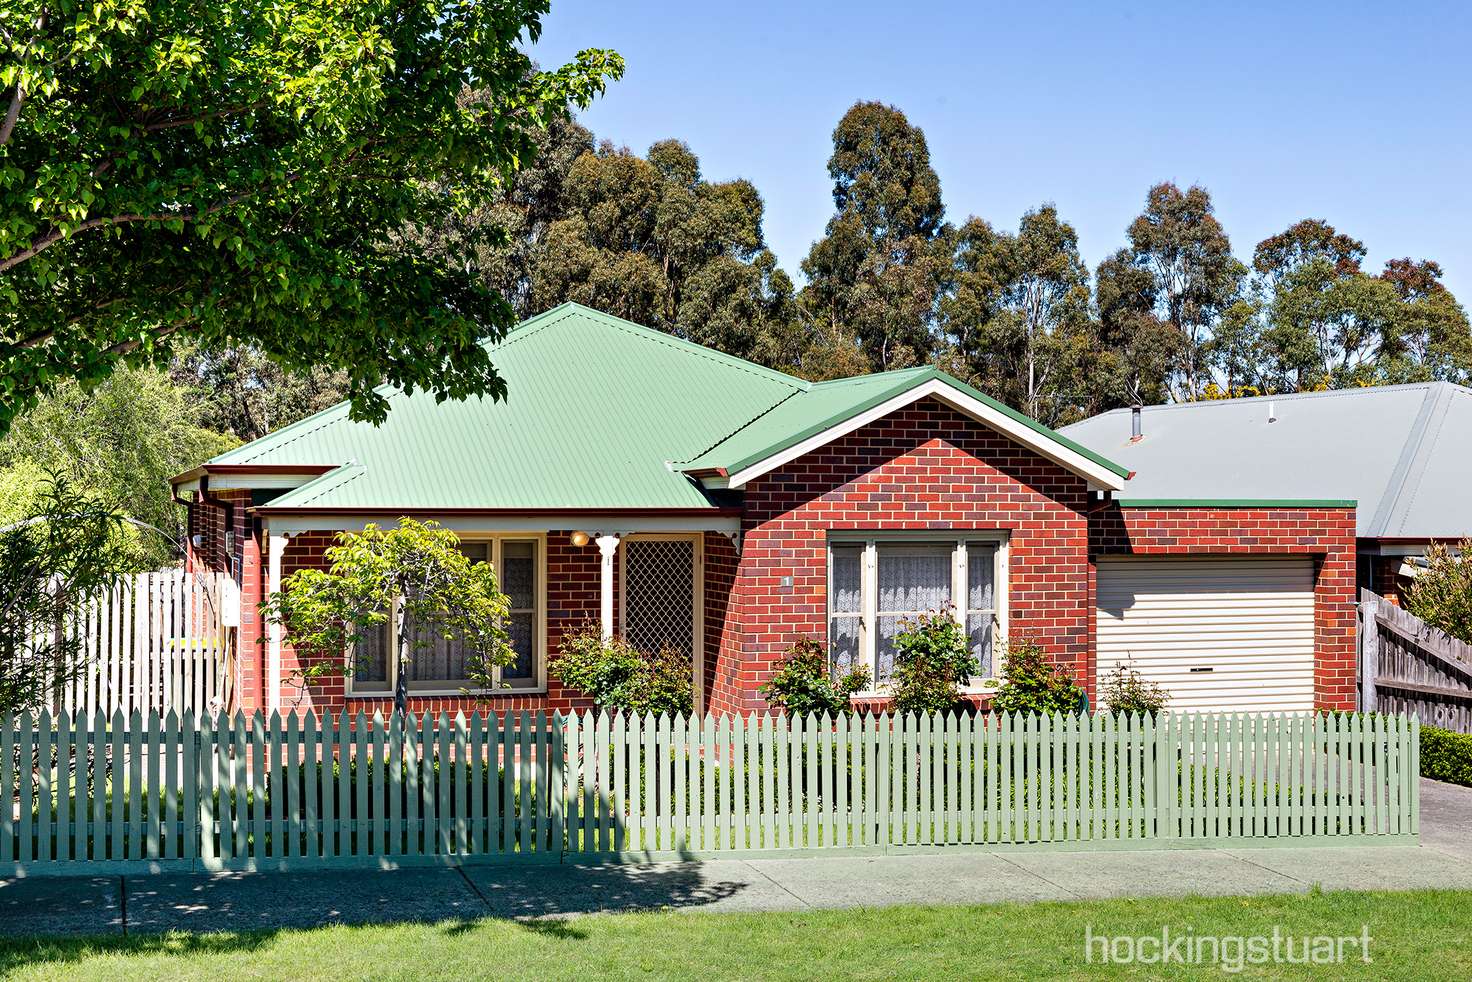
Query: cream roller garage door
[(1229, 635)]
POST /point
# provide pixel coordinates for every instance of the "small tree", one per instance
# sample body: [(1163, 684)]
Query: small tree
[(932, 660), (1442, 595), (67, 548), (412, 575)]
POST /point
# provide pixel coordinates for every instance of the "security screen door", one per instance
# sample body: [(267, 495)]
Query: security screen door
[(661, 596)]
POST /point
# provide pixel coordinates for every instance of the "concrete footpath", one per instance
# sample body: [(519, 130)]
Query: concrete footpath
[(270, 901)]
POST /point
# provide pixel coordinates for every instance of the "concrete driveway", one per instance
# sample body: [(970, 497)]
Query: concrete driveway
[(267, 901)]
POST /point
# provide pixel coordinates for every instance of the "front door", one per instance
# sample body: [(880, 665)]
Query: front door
[(662, 598)]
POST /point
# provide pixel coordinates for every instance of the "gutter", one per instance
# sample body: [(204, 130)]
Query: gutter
[(206, 469), (267, 510)]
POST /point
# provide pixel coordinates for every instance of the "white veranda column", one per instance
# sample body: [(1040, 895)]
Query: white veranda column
[(275, 546), (608, 548)]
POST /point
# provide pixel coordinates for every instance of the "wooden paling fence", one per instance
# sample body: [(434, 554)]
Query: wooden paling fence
[(1408, 666), (156, 641), (248, 792)]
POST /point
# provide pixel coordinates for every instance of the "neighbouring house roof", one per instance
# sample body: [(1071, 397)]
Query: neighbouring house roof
[(600, 414), (1404, 452)]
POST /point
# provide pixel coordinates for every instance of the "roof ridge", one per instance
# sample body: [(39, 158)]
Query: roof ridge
[(743, 426), (893, 372), (1406, 478), (691, 347), (1282, 396)]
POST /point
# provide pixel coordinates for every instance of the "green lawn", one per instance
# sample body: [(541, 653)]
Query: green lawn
[(1415, 935)]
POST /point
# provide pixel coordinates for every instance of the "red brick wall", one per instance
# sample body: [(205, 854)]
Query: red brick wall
[(721, 564), (208, 518), (926, 467), (1325, 533), (1385, 578)]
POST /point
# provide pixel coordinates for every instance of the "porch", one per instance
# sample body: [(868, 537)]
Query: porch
[(657, 581)]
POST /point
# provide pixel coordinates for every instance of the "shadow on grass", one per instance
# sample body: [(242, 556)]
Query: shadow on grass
[(188, 915)]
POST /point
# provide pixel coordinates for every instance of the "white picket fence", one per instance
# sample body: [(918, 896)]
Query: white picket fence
[(150, 792), (156, 642)]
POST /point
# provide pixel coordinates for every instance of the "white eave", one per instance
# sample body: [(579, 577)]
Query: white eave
[(1100, 478)]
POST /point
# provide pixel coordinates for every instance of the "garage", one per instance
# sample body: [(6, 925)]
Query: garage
[(1220, 634)]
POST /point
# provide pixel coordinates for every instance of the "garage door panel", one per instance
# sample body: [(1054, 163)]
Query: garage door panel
[(1250, 621)]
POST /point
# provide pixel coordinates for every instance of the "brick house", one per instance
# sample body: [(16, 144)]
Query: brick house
[(676, 495)]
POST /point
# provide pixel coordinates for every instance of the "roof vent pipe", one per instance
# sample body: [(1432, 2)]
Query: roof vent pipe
[(1135, 433), (1272, 412)]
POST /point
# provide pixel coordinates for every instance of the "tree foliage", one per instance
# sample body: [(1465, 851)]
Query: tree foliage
[(412, 578), (62, 549), (1018, 312), (1179, 241), (1442, 595), (120, 443), (649, 239), (241, 392), (804, 684), (1325, 322), (621, 678), (231, 173), (875, 279)]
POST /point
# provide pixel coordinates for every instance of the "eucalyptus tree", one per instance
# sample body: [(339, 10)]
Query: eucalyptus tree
[(1180, 242), (878, 274)]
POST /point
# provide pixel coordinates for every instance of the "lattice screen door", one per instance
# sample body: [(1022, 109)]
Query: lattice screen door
[(661, 586)]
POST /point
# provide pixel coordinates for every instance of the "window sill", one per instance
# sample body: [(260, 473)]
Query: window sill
[(965, 690), (447, 693)]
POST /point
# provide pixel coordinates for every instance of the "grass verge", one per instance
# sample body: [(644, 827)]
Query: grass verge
[(1413, 935)]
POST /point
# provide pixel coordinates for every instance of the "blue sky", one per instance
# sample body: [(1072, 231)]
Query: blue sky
[(1355, 113)]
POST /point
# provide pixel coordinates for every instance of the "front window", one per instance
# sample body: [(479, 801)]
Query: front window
[(876, 584), (440, 665)]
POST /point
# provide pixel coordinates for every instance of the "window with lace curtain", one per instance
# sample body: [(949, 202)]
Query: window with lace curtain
[(875, 584), (439, 665)]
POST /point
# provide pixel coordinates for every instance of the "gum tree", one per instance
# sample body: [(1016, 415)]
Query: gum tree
[(226, 172)]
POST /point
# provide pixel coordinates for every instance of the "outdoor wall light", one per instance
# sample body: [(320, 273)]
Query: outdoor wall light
[(579, 539)]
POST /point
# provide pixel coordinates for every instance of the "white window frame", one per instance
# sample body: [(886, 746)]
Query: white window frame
[(960, 572), (495, 540)]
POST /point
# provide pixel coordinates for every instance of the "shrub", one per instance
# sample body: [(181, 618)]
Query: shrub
[(621, 678), (803, 684), (1442, 595), (932, 660), (1032, 684), (1126, 691), (1446, 756)]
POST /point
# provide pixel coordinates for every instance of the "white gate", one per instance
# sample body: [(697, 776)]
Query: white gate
[(155, 642)]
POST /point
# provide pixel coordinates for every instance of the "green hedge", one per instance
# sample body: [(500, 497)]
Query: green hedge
[(1446, 756)]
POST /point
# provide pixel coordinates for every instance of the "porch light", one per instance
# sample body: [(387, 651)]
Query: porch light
[(579, 539)]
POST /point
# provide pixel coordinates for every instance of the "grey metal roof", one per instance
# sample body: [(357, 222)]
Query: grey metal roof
[(1403, 452)]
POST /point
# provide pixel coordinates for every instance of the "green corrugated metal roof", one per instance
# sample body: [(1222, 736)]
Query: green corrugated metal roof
[(599, 414), (595, 407), (826, 404)]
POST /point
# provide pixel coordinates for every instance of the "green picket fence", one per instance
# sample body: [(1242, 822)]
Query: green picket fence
[(250, 792)]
